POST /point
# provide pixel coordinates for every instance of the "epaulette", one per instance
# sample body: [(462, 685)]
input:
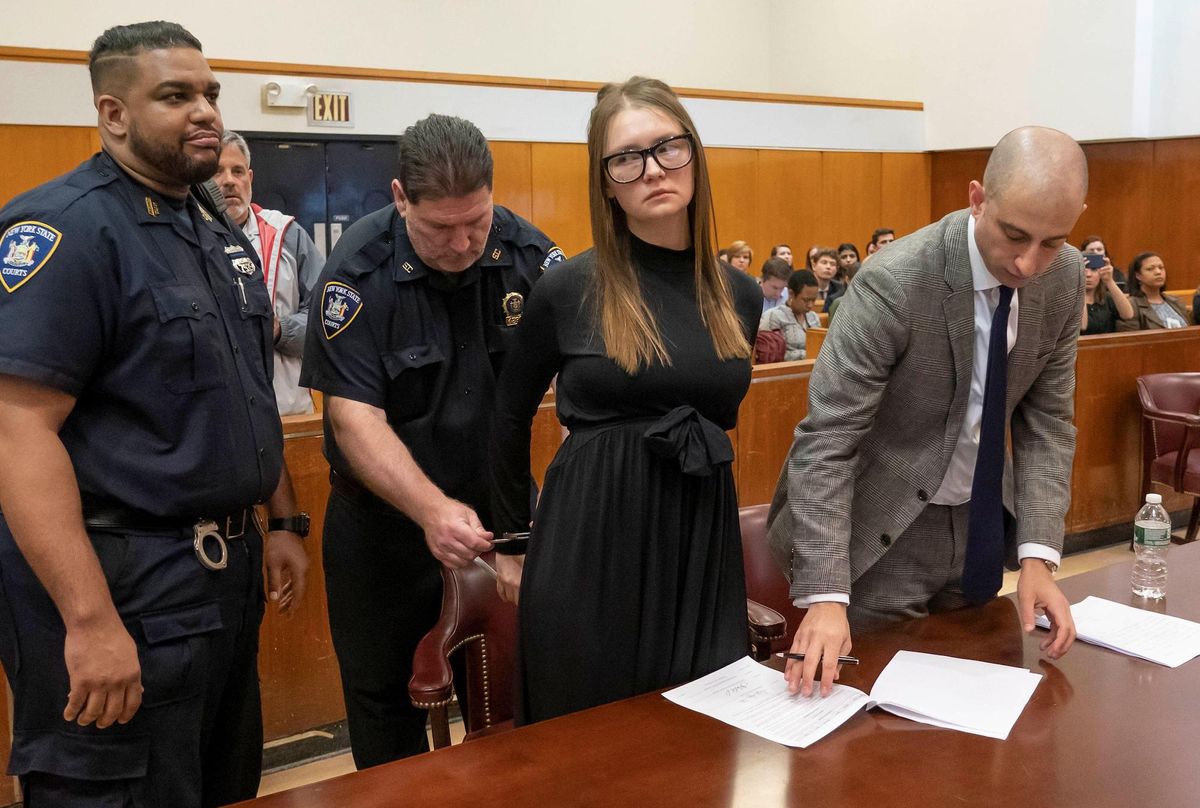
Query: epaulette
[(376, 254)]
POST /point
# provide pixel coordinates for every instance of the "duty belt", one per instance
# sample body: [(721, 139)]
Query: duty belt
[(203, 530)]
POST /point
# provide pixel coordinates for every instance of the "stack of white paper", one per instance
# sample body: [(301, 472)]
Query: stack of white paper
[(1160, 638), (977, 697), (961, 694)]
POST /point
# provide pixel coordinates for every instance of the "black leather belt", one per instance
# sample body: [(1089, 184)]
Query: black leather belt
[(107, 516)]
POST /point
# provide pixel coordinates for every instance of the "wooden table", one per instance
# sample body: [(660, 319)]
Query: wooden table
[(1102, 729)]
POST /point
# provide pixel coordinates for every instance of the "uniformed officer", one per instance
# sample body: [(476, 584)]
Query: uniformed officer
[(412, 322), (137, 428)]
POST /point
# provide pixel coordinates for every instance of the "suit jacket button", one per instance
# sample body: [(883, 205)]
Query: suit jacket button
[(885, 540), (921, 495)]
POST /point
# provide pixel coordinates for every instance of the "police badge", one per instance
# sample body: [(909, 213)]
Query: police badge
[(513, 304)]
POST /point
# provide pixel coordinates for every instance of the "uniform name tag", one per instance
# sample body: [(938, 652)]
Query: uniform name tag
[(339, 306), (24, 249)]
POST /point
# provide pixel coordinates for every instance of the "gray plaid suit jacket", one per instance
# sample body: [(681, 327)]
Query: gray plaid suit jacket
[(887, 398)]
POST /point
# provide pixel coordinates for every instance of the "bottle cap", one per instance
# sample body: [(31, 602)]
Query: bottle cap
[(1154, 499)]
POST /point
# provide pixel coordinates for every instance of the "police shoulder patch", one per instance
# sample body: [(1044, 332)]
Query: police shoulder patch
[(555, 256), (340, 304), (24, 249)]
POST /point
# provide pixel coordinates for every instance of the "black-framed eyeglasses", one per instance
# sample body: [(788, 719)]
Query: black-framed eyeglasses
[(670, 153)]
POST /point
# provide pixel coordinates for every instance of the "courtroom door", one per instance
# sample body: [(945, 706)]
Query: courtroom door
[(327, 183)]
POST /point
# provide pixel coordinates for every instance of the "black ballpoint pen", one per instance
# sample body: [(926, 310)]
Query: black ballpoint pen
[(842, 660)]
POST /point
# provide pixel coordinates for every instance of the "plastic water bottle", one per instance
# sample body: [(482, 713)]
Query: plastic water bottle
[(1151, 538)]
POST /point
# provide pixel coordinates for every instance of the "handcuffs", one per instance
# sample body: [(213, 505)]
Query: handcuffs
[(206, 529)]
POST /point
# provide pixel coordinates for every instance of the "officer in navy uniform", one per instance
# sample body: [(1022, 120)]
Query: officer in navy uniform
[(415, 314), (137, 430)]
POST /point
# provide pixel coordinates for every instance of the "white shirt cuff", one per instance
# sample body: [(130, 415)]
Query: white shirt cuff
[(1032, 549), (827, 597)]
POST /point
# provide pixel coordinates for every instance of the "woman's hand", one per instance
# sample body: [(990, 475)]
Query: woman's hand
[(508, 576)]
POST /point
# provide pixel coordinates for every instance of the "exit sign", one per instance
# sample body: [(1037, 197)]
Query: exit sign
[(329, 109)]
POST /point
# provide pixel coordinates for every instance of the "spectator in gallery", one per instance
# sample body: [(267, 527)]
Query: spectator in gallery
[(811, 256), (825, 268), (880, 238), (740, 255), (848, 262), (775, 274), (1094, 245), (1151, 308), (1104, 304), (794, 318), (782, 251)]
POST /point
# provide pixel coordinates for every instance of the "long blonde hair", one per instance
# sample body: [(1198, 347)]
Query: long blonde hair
[(630, 332)]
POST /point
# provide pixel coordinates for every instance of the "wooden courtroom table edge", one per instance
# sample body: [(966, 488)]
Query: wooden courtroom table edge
[(603, 756)]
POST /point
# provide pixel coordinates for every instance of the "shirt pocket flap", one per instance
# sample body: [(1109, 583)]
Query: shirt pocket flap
[(415, 356), (180, 300)]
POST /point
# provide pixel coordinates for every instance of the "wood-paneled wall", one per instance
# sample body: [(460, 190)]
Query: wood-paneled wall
[(1143, 195), (34, 154), (761, 196)]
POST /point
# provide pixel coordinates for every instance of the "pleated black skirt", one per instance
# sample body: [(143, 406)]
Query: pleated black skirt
[(633, 580)]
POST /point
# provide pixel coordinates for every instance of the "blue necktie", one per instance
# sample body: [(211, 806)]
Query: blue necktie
[(983, 568)]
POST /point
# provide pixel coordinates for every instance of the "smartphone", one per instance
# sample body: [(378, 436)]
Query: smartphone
[(1094, 260)]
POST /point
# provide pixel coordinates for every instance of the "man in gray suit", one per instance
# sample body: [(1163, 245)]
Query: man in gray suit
[(872, 510)]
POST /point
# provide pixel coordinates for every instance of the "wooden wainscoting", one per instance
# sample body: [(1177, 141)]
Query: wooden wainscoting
[(1107, 473)]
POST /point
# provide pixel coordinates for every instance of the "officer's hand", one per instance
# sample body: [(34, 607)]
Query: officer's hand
[(106, 678), (454, 533), (276, 331), (287, 564), (508, 576)]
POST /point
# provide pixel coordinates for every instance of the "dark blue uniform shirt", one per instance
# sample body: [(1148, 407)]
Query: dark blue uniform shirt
[(423, 346), (154, 317)]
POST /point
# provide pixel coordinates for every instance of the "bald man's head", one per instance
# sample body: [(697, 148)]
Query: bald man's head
[(1038, 160), (1032, 195)]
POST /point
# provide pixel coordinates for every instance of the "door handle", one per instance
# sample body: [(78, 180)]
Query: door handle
[(319, 239)]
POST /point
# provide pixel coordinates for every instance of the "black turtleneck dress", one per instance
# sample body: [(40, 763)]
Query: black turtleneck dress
[(633, 580)]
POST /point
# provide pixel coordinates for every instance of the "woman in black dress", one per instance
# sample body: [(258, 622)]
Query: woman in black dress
[(633, 580)]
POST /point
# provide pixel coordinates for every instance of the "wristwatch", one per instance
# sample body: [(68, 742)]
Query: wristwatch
[(297, 524)]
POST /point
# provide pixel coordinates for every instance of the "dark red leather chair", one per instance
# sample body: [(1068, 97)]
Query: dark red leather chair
[(766, 586), (1170, 429), (475, 621)]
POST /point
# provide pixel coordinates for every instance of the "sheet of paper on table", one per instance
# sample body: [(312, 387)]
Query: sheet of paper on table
[(961, 694), (1160, 638)]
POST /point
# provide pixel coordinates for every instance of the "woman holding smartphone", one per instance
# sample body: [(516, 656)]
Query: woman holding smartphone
[(633, 579), (1103, 301)]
